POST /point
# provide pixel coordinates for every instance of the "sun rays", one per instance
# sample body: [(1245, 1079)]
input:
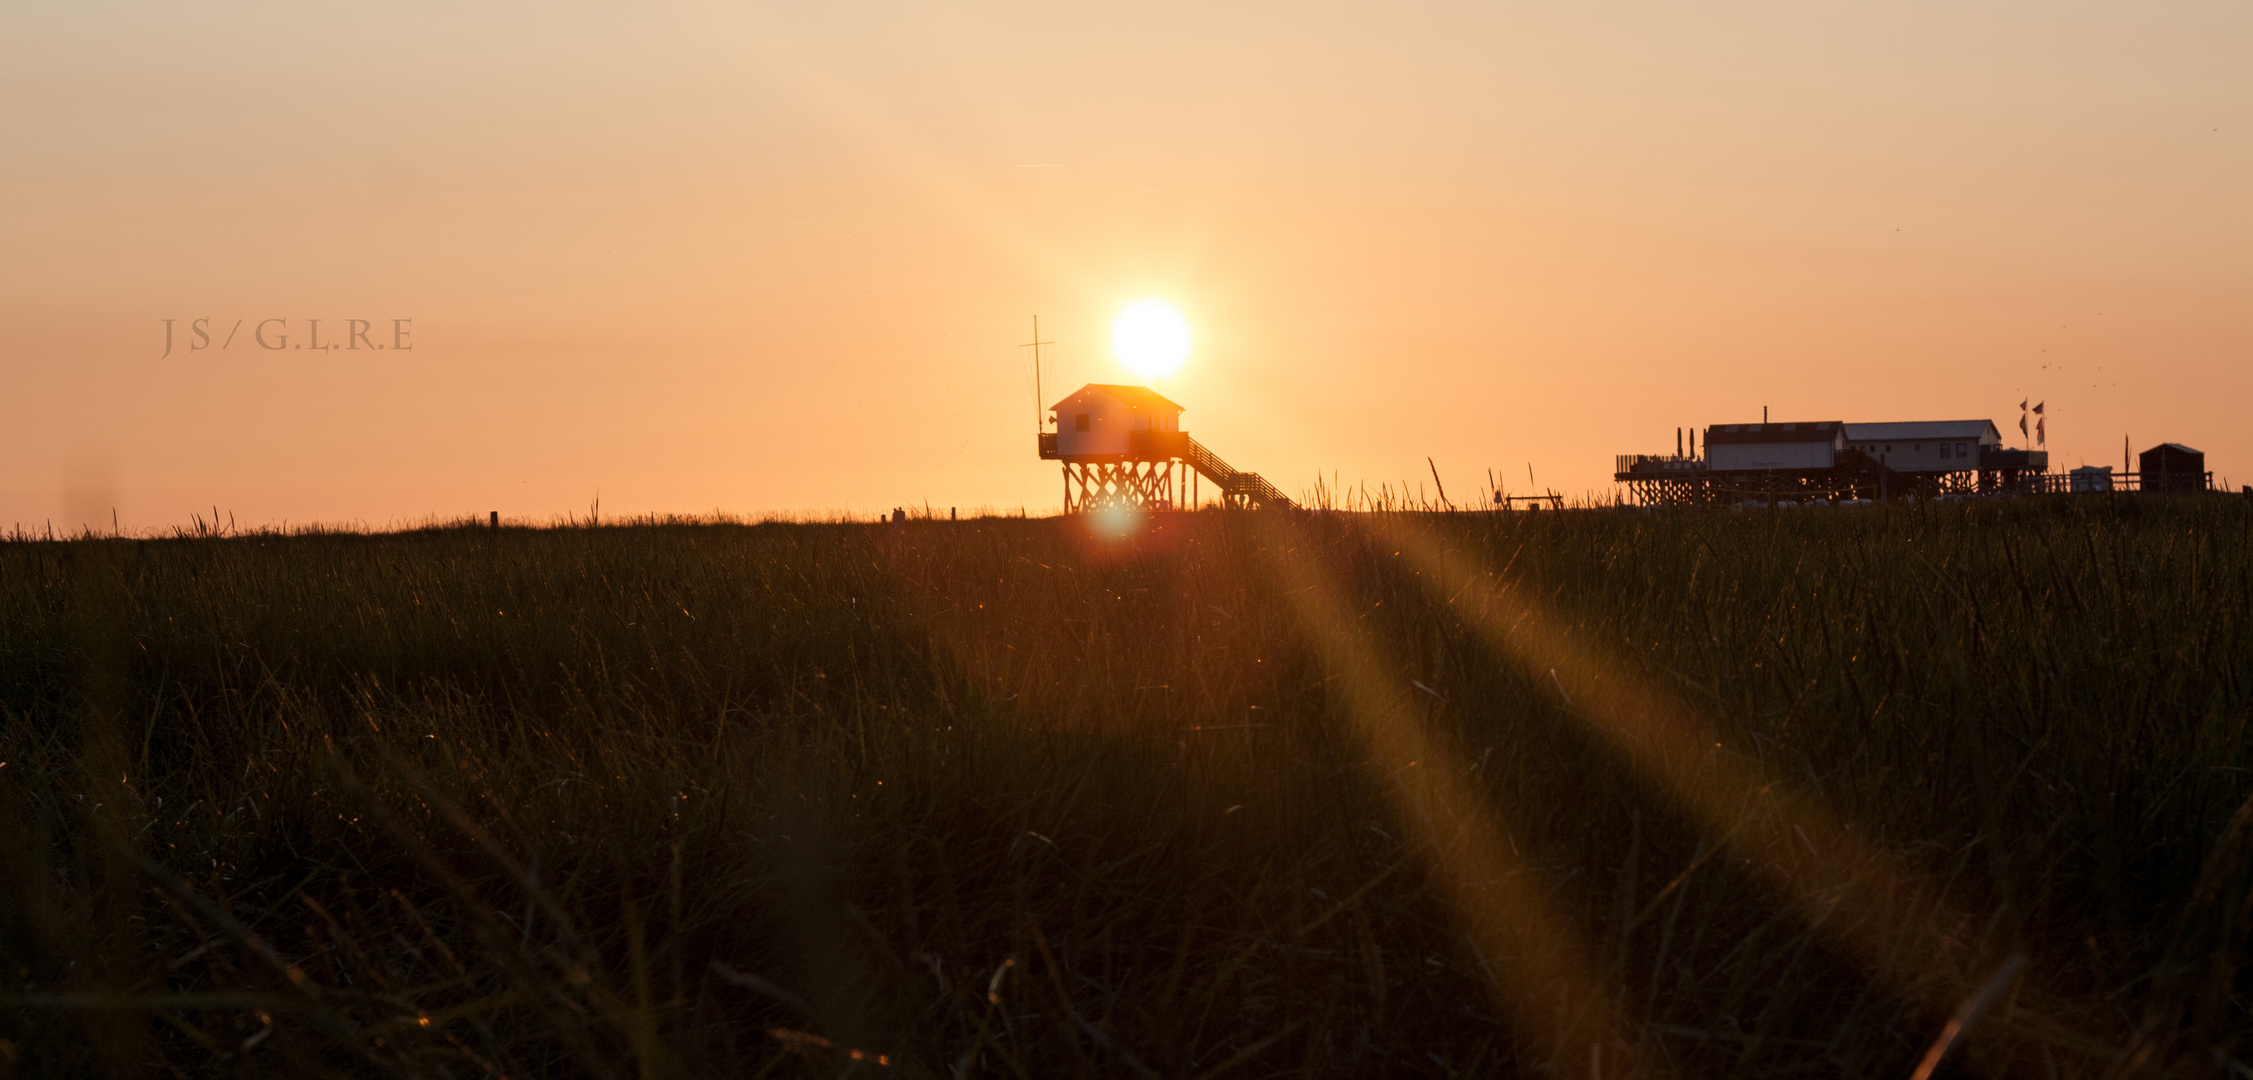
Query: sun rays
[(1841, 884), (1844, 888), (1541, 978), (1542, 971)]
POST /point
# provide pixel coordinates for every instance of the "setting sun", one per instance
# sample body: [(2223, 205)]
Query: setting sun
[(1151, 338)]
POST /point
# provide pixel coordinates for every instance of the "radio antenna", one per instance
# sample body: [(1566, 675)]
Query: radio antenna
[(1040, 399)]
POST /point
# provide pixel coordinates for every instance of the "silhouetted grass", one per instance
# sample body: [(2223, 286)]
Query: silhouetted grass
[(1004, 797)]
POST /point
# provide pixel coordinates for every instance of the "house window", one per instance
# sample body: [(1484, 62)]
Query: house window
[(1960, 450), (1944, 450), (1079, 422)]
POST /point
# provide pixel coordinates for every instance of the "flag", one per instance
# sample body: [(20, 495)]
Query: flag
[(2022, 404), (2022, 423), (2038, 407), (2041, 436)]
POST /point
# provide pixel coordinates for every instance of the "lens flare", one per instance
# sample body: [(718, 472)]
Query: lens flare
[(1151, 338), (1114, 522), (1889, 920), (1542, 980)]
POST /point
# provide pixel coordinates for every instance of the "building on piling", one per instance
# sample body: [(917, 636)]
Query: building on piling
[(1833, 461), (1123, 447)]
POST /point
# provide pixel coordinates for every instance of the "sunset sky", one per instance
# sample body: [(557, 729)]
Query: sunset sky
[(767, 258)]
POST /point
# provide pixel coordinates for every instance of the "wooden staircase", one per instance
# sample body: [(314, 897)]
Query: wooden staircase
[(1237, 487)]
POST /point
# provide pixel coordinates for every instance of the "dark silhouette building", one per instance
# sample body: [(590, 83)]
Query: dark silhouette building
[(2172, 467)]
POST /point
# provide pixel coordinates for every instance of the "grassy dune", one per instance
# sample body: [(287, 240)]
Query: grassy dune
[(1593, 793)]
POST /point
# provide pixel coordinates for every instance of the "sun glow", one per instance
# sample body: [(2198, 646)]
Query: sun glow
[(1151, 338)]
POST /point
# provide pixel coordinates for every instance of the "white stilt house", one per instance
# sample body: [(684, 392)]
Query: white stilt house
[(1098, 421), (1122, 446)]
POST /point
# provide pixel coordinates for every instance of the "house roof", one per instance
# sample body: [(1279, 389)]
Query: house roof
[(1914, 430), (1818, 431), (1136, 397), (2175, 446)]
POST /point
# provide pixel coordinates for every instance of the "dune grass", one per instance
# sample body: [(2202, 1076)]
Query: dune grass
[(1592, 793)]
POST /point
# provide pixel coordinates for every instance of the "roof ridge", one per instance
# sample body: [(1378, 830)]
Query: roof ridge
[(1127, 392)]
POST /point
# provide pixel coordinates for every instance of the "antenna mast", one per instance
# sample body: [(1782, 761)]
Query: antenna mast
[(1040, 399)]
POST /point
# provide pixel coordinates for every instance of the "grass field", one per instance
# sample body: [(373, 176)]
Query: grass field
[(1597, 793)]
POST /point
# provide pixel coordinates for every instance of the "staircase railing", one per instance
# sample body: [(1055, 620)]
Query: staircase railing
[(1234, 483), (1252, 487)]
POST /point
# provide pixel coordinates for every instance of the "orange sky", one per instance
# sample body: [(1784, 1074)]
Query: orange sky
[(760, 258)]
